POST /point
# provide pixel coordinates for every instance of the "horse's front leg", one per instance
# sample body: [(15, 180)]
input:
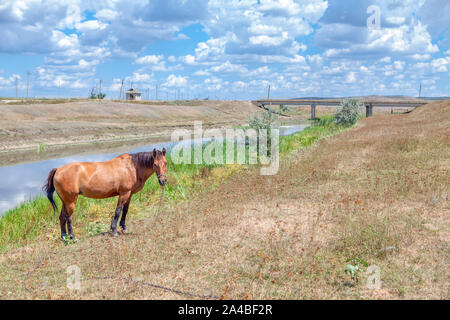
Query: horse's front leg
[(123, 199), (124, 216)]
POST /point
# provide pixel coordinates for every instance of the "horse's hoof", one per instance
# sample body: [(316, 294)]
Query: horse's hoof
[(114, 234), (124, 231)]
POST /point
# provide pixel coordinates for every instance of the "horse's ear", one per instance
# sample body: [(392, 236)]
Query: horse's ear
[(164, 152), (154, 153)]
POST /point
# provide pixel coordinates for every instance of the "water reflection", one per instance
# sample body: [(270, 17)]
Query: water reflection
[(24, 181)]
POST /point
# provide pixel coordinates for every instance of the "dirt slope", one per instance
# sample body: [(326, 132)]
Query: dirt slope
[(377, 193), (23, 126)]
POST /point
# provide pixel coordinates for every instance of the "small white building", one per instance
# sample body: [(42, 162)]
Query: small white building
[(133, 94)]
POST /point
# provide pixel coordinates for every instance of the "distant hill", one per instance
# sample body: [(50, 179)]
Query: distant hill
[(435, 98)]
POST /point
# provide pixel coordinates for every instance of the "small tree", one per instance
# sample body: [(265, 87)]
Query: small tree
[(348, 112), (94, 95), (101, 95), (263, 121)]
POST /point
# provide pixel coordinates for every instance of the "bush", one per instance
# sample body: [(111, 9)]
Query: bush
[(348, 112), (99, 95), (265, 120), (284, 108)]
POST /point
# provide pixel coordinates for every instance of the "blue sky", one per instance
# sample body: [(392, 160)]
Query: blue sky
[(225, 49)]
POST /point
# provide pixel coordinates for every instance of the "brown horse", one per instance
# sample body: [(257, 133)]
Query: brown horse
[(122, 176)]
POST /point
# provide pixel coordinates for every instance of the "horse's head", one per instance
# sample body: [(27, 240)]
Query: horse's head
[(160, 165)]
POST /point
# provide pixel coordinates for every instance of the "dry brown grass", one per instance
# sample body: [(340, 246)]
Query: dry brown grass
[(383, 184)]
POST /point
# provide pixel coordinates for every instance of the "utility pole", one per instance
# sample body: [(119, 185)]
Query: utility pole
[(268, 93), (28, 83), (420, 89), (156, 92), (121, 89)]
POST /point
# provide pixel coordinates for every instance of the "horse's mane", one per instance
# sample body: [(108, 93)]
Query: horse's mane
[(144, 159)]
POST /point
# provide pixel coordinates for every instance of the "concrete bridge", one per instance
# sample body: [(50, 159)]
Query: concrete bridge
[(369, 103)]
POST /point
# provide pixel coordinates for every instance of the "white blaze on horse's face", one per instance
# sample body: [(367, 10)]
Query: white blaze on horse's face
[(160, 166)]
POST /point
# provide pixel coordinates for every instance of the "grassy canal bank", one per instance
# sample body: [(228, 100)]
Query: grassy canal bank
[(35, 219)]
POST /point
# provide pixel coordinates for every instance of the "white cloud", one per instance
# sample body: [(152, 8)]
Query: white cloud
[(399, 65), (228, 67), (417, 56), (201, 73), (364, 69), (267, 41), (351, 77), (141, 77), (258, 72), (210, 49), (150, 59), (440, 65), (189, 59), (106, 14), (174, 81), (254, 29)]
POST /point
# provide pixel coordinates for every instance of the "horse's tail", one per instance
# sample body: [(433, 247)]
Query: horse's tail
[(49, 188)]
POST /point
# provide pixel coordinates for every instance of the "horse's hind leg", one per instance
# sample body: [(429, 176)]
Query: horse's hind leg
[(69, 212), (62, 222)]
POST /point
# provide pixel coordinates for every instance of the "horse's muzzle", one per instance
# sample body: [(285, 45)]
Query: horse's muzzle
[(162, 179)]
